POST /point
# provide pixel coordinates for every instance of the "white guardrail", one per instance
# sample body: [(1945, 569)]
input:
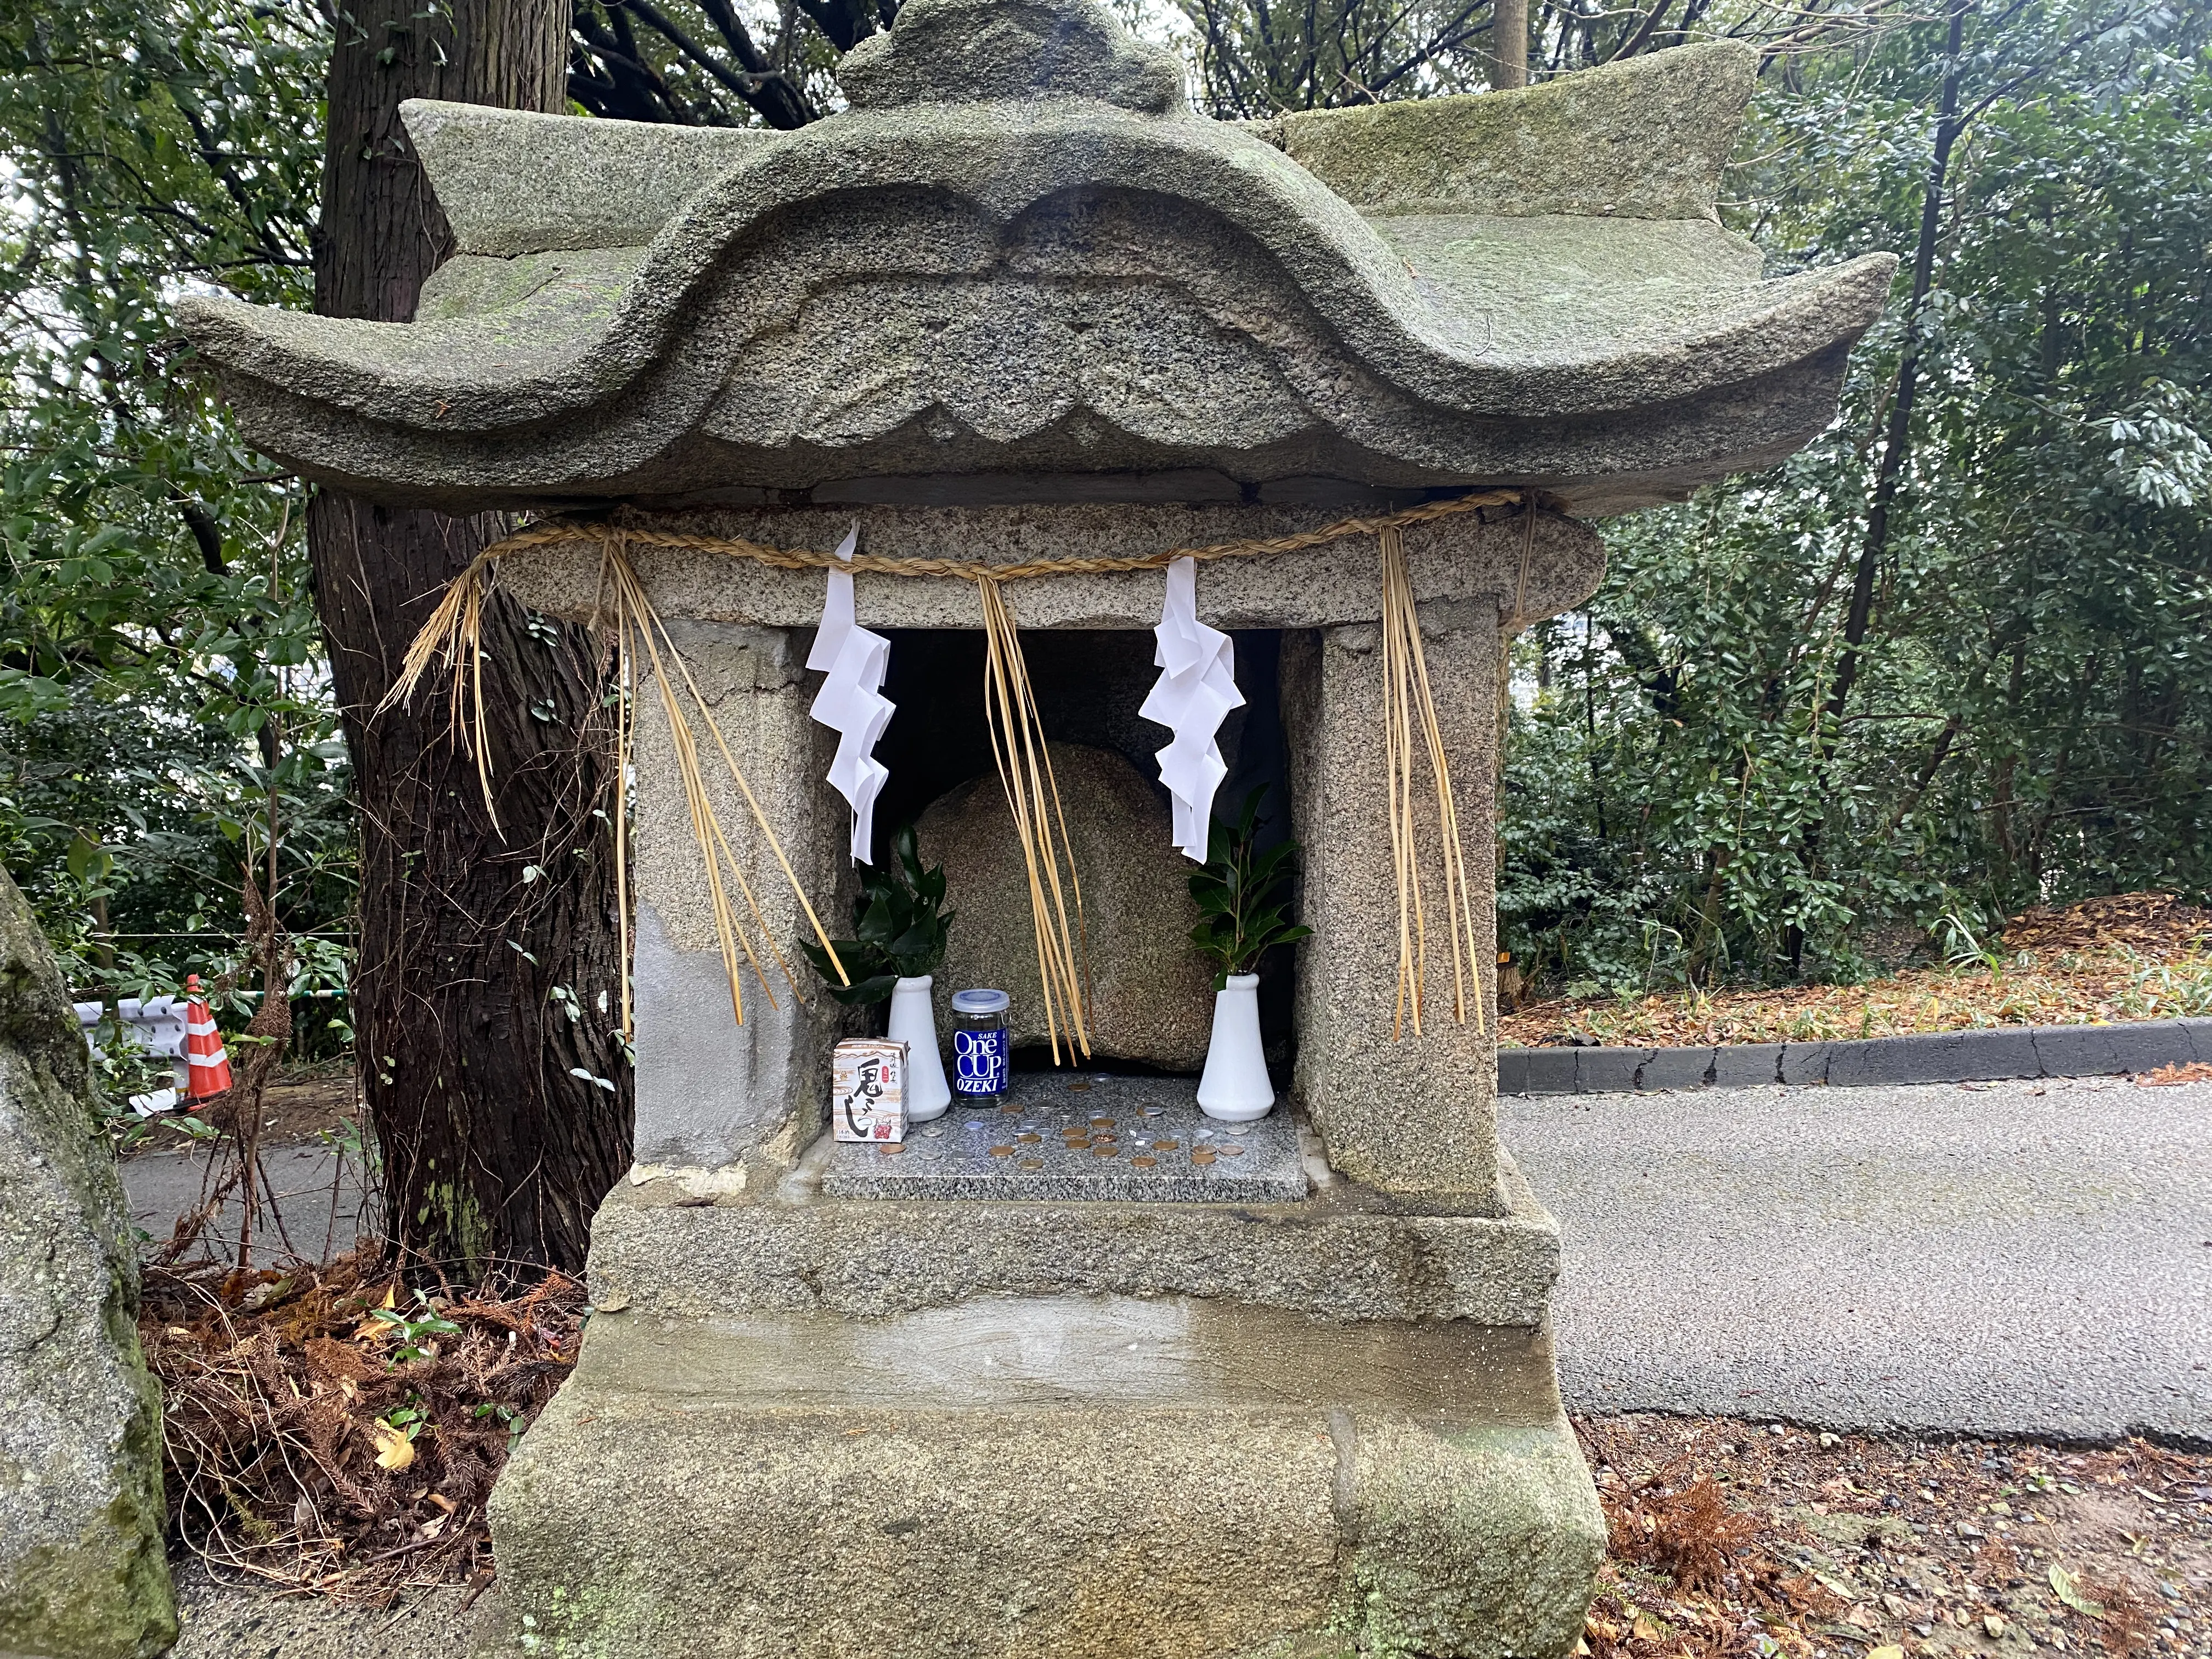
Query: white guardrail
[(155, 1026)]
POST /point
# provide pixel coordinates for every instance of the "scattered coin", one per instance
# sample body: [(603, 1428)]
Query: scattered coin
[(1010, 1111), (1032, 1163), (1165, 1145), (889, 1149), (1144, 1163), (1102, 1122), (1002, 1151), (933, 1132), (1076, 1088), (1031, 1139), (1232, 1151), (1106, 1151), (1202, 1157), (1240, 1128), (1203, 1134)]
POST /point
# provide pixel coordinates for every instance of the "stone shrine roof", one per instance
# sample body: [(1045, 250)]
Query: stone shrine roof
[(1019, 267)]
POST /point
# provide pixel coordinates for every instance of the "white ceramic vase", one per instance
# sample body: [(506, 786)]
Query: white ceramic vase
[(1235, 1088), (913, 1021)]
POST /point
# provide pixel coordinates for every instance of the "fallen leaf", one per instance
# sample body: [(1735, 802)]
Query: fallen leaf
[(2069, 1590), (1646, 1629), (442, 1502), (394, 1451), (1862, 1617)]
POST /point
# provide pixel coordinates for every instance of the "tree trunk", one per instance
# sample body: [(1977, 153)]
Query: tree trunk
[(1509, 45), (486, 1000), (1889, 473)]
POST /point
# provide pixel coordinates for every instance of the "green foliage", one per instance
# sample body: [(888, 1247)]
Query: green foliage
[(1243, 893), (899, 932), (161, 688), (2032, 716)]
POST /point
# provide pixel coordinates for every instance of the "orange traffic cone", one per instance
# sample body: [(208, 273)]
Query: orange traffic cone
[(203, 1052)]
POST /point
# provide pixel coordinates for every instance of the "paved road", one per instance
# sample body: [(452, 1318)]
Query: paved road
[(2030, 1258), (162, 1186)]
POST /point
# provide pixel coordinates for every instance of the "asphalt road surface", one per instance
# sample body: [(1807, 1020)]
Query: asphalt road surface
[(2029, 1258), (318, 1199)]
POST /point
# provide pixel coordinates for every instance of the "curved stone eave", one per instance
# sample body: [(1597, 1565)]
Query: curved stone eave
[(570, 348), (1597, 468)]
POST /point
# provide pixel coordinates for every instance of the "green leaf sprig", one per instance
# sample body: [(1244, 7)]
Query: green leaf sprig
[(899, 932), (1241, 894)]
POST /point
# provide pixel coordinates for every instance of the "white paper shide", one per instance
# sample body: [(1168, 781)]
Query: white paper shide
[(1194, 695), (851, 703)]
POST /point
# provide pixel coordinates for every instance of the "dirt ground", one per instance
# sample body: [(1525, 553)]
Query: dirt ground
[(2130, 956), (298, 1108), (1736, 1537)]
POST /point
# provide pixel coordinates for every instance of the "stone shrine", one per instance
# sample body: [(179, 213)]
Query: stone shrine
[(1019, 303)]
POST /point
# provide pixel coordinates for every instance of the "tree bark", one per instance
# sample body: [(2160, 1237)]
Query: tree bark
[(486, 999), (1889, 471), (1509, 45)]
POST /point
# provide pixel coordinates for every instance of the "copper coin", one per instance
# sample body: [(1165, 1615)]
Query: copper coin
[(1202, 1157), (1144, 1163), (1076, 1088), (1102, 1122), (1030, 1139), (1165, 1145), (1032, 1163), (1232, 1151), (1010, 1111), (1105, 1151), (889, 1148), (1002, 1151)]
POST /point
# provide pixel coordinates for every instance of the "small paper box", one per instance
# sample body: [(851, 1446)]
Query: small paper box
[(867, 1089)]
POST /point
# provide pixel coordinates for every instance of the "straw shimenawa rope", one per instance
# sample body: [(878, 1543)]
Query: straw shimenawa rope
[(450, 641)]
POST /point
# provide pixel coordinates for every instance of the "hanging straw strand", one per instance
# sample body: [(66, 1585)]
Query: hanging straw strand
[(1016, 740), (1409, 703)]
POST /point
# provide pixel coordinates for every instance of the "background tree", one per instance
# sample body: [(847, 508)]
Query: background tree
[(1950, 660), (486, 994), (161, 696)]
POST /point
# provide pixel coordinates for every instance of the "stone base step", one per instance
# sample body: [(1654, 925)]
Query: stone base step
[(1060, 1477)]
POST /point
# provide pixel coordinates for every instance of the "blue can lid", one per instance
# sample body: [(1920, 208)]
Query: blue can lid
[(980, 1002)]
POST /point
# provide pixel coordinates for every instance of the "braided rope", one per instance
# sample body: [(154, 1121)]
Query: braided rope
[(556, 532)]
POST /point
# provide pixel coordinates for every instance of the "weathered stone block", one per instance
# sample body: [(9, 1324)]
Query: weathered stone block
[(1152, 993), (1048, 1478), (1409, 1114), (1745, 1065), (1548, 1071), (82, 1572), (1608, 1071), (1805, 1062), (2145, 1045), (1675, 1068), (742, 1100), (1513, 1071), (1346, 1254)]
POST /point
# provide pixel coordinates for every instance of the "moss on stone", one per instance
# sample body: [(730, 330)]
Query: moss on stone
[(1645, 139)]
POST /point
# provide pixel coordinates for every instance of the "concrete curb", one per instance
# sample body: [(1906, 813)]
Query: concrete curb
[(2011, 1051)]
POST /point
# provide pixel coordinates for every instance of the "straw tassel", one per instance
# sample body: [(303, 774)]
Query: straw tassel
[(1410, 727), (1017, 745)]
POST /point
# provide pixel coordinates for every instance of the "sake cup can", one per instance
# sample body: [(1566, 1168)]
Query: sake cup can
[(981, 1045)]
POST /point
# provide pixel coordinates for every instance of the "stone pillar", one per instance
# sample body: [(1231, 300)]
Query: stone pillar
[(1413, 1116), (741, 1101), (82, 1572)]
